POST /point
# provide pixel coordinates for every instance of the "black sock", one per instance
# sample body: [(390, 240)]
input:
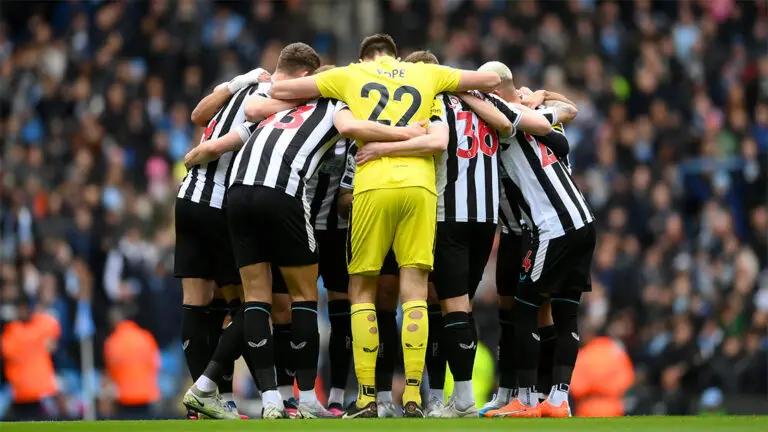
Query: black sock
[(217, 312), (565, 313), (305, 343), (435, 360), (473, 327), (216, 315), (389, 349), (526, 351), (281, 333), (459, 345), (230, 347), (259, 346), (194, 336), (505, 353), (340, 343), (546, 358)]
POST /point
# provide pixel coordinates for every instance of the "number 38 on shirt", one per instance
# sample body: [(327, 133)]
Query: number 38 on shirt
[(483, 138)]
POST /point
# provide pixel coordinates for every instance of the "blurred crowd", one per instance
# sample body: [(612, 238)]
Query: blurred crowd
[(670, 147)]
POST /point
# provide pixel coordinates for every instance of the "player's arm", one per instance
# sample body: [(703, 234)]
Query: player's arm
[(566, 110), (473, 80), (490, 115), (435, 141), (213, 149), (448, 79), (297, 88), (257, 108), (366, 131), (209, 105), (522, 117)]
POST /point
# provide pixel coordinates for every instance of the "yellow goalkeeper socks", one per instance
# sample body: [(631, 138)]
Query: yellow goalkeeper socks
[(415, 333), (365, 347)]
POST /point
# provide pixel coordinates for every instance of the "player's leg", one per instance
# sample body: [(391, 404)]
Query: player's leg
[(387, 298), (252, 212), (462, 252), (548, 337), (435, 360), (193, 266), (451, 279), (371, 234), (296, 255), (227, 301), (543, 269), (333, 270), (197, 298), (281, 334), (229, 297), (565, 310), (413, 245), (507, 273)]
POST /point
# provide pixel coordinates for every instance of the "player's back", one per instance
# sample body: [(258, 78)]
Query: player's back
[(395, 93)]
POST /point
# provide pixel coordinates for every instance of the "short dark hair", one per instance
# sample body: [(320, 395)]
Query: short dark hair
[(379, 43), (422, 56), (323, 68), (298, 57)]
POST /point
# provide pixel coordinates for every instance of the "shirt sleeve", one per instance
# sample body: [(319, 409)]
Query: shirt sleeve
[(549, 113), (446, 78), (438, 112), (338, 106), (333, 83), (513, 114), (246, 129), (348, 178)]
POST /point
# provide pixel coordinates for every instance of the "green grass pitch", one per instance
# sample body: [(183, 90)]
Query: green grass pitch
[(650, 424)]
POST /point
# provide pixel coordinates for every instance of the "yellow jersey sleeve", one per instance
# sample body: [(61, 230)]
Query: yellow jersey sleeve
[(333, 83), (445, 79)]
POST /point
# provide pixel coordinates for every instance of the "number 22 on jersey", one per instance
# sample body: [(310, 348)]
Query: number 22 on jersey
[(381, 105)]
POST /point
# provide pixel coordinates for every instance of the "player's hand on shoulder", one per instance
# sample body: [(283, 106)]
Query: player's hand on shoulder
[(367, 153), (416, 129), (534, 99)]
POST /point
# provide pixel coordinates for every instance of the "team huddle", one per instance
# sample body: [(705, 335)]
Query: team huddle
[(388, 179)]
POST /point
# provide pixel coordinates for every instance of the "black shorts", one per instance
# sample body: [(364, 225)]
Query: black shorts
[(203, 248), (461, 253), (559, 265), (508, 264), (331, 245), (390, 266), (267, 225)]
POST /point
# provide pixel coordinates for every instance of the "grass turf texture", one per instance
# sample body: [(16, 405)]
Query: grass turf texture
[(651, 424)]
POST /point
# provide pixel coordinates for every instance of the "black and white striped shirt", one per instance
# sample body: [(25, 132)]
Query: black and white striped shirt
[(467, 171), (323, 189), (286, 148), (547, 196), (207, 183)]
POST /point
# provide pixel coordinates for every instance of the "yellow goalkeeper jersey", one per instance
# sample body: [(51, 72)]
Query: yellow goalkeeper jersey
[(394, 93)]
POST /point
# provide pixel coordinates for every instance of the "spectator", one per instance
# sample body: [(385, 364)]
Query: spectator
[(132, 362), (27, 344)]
